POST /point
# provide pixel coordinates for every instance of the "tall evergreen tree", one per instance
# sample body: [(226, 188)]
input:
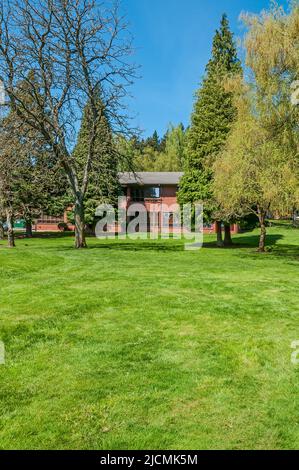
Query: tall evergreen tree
[(211, 123), (153, 142), (163, 141), (103, 181)]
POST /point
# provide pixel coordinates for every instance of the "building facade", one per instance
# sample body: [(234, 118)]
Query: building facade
[(156, 191)]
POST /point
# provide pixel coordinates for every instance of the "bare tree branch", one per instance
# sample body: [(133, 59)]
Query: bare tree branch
[(75, 50)]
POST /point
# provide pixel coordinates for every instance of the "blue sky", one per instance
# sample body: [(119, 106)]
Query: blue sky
[(173, 40)]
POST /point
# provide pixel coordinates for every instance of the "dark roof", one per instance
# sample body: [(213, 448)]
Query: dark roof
[(171, 178)]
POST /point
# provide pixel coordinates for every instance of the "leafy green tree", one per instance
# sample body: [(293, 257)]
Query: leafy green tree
[(211, 123), (42, 186), (167, 156), (40, 180), (172, 159), (128, 150), (11, 161), (261, 157), (262, 174), (147, 159), (30, 179)]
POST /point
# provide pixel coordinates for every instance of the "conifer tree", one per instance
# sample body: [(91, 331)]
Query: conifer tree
[(103, 181), (211, 122), (153, 142)]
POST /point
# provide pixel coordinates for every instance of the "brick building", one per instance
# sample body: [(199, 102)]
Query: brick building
[(156, 191)]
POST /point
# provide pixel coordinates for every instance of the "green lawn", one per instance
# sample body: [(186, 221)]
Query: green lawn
[(142, 345)]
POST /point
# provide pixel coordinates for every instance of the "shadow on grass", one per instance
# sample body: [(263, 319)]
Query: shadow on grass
[(248, 241), (285, 224), (139, 246), (287, 251), (274, 249)]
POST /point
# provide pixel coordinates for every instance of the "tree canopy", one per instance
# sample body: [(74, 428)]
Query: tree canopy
[(260, 160), (211, 121)]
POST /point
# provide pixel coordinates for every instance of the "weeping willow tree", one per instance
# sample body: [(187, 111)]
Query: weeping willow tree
[(260, 160)]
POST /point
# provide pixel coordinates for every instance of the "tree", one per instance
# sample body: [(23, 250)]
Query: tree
[(11, 156), (103, 181), (163, 140), (172, 159), (75, 48), (30, 190), (167, 156), (1, 228), (272, 56), (41, 183), (211, 123), (36, 175), (262, 174), (153, 142), (2, 215)]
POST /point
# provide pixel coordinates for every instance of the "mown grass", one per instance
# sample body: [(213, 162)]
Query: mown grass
[(142, 345)]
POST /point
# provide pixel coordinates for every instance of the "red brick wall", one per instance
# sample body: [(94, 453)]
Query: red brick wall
[(47, 227), (168, 197)]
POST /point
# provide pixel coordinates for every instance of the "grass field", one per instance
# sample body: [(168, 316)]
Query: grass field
[(142, 345)]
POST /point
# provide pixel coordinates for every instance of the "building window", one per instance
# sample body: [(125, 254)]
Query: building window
[(137, 194), (150, 192), (153, 192)]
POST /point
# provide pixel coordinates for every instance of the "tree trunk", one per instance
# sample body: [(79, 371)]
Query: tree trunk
[(219, 234), (262, 217), (228, 236), (1, 231), (80, 241), (29, 233), (10, 230)]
